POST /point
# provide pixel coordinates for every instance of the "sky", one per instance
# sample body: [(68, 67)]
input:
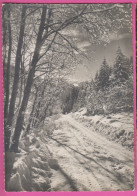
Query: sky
[(96, 54)]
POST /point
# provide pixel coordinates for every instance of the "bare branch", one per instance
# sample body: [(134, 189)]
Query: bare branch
[(110, 8), (49, 46)]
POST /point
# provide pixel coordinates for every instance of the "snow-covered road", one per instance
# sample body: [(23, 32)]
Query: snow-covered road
[(88, 161)]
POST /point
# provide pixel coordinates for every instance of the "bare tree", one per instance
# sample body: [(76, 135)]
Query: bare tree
[(16, 78), (7, 76), (51, 27)]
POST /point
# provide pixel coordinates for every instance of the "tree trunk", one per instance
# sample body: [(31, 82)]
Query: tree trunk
[(7, 82), (31, 114), (20, 118), (16, 79), (4, 40)]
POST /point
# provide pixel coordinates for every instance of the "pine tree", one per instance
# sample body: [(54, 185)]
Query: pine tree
[(121, 68), (96, 81), (102, 78)]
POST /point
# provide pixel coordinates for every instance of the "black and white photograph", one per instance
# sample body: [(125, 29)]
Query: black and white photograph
[(68, 97)]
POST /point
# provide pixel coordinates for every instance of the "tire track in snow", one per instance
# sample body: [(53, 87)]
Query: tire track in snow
[(89, 146), (113, 154), (95, 181), (115, 149), (98, 181)]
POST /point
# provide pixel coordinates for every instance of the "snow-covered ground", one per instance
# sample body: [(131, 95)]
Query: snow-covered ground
[(75, 152), (87, 160)]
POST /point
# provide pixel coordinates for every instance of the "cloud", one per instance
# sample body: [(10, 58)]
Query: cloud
[(82, 45), (118, 36), (71, 32)]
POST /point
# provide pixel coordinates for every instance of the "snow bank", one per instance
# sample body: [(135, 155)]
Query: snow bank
[(30, 167), (116, 127)]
